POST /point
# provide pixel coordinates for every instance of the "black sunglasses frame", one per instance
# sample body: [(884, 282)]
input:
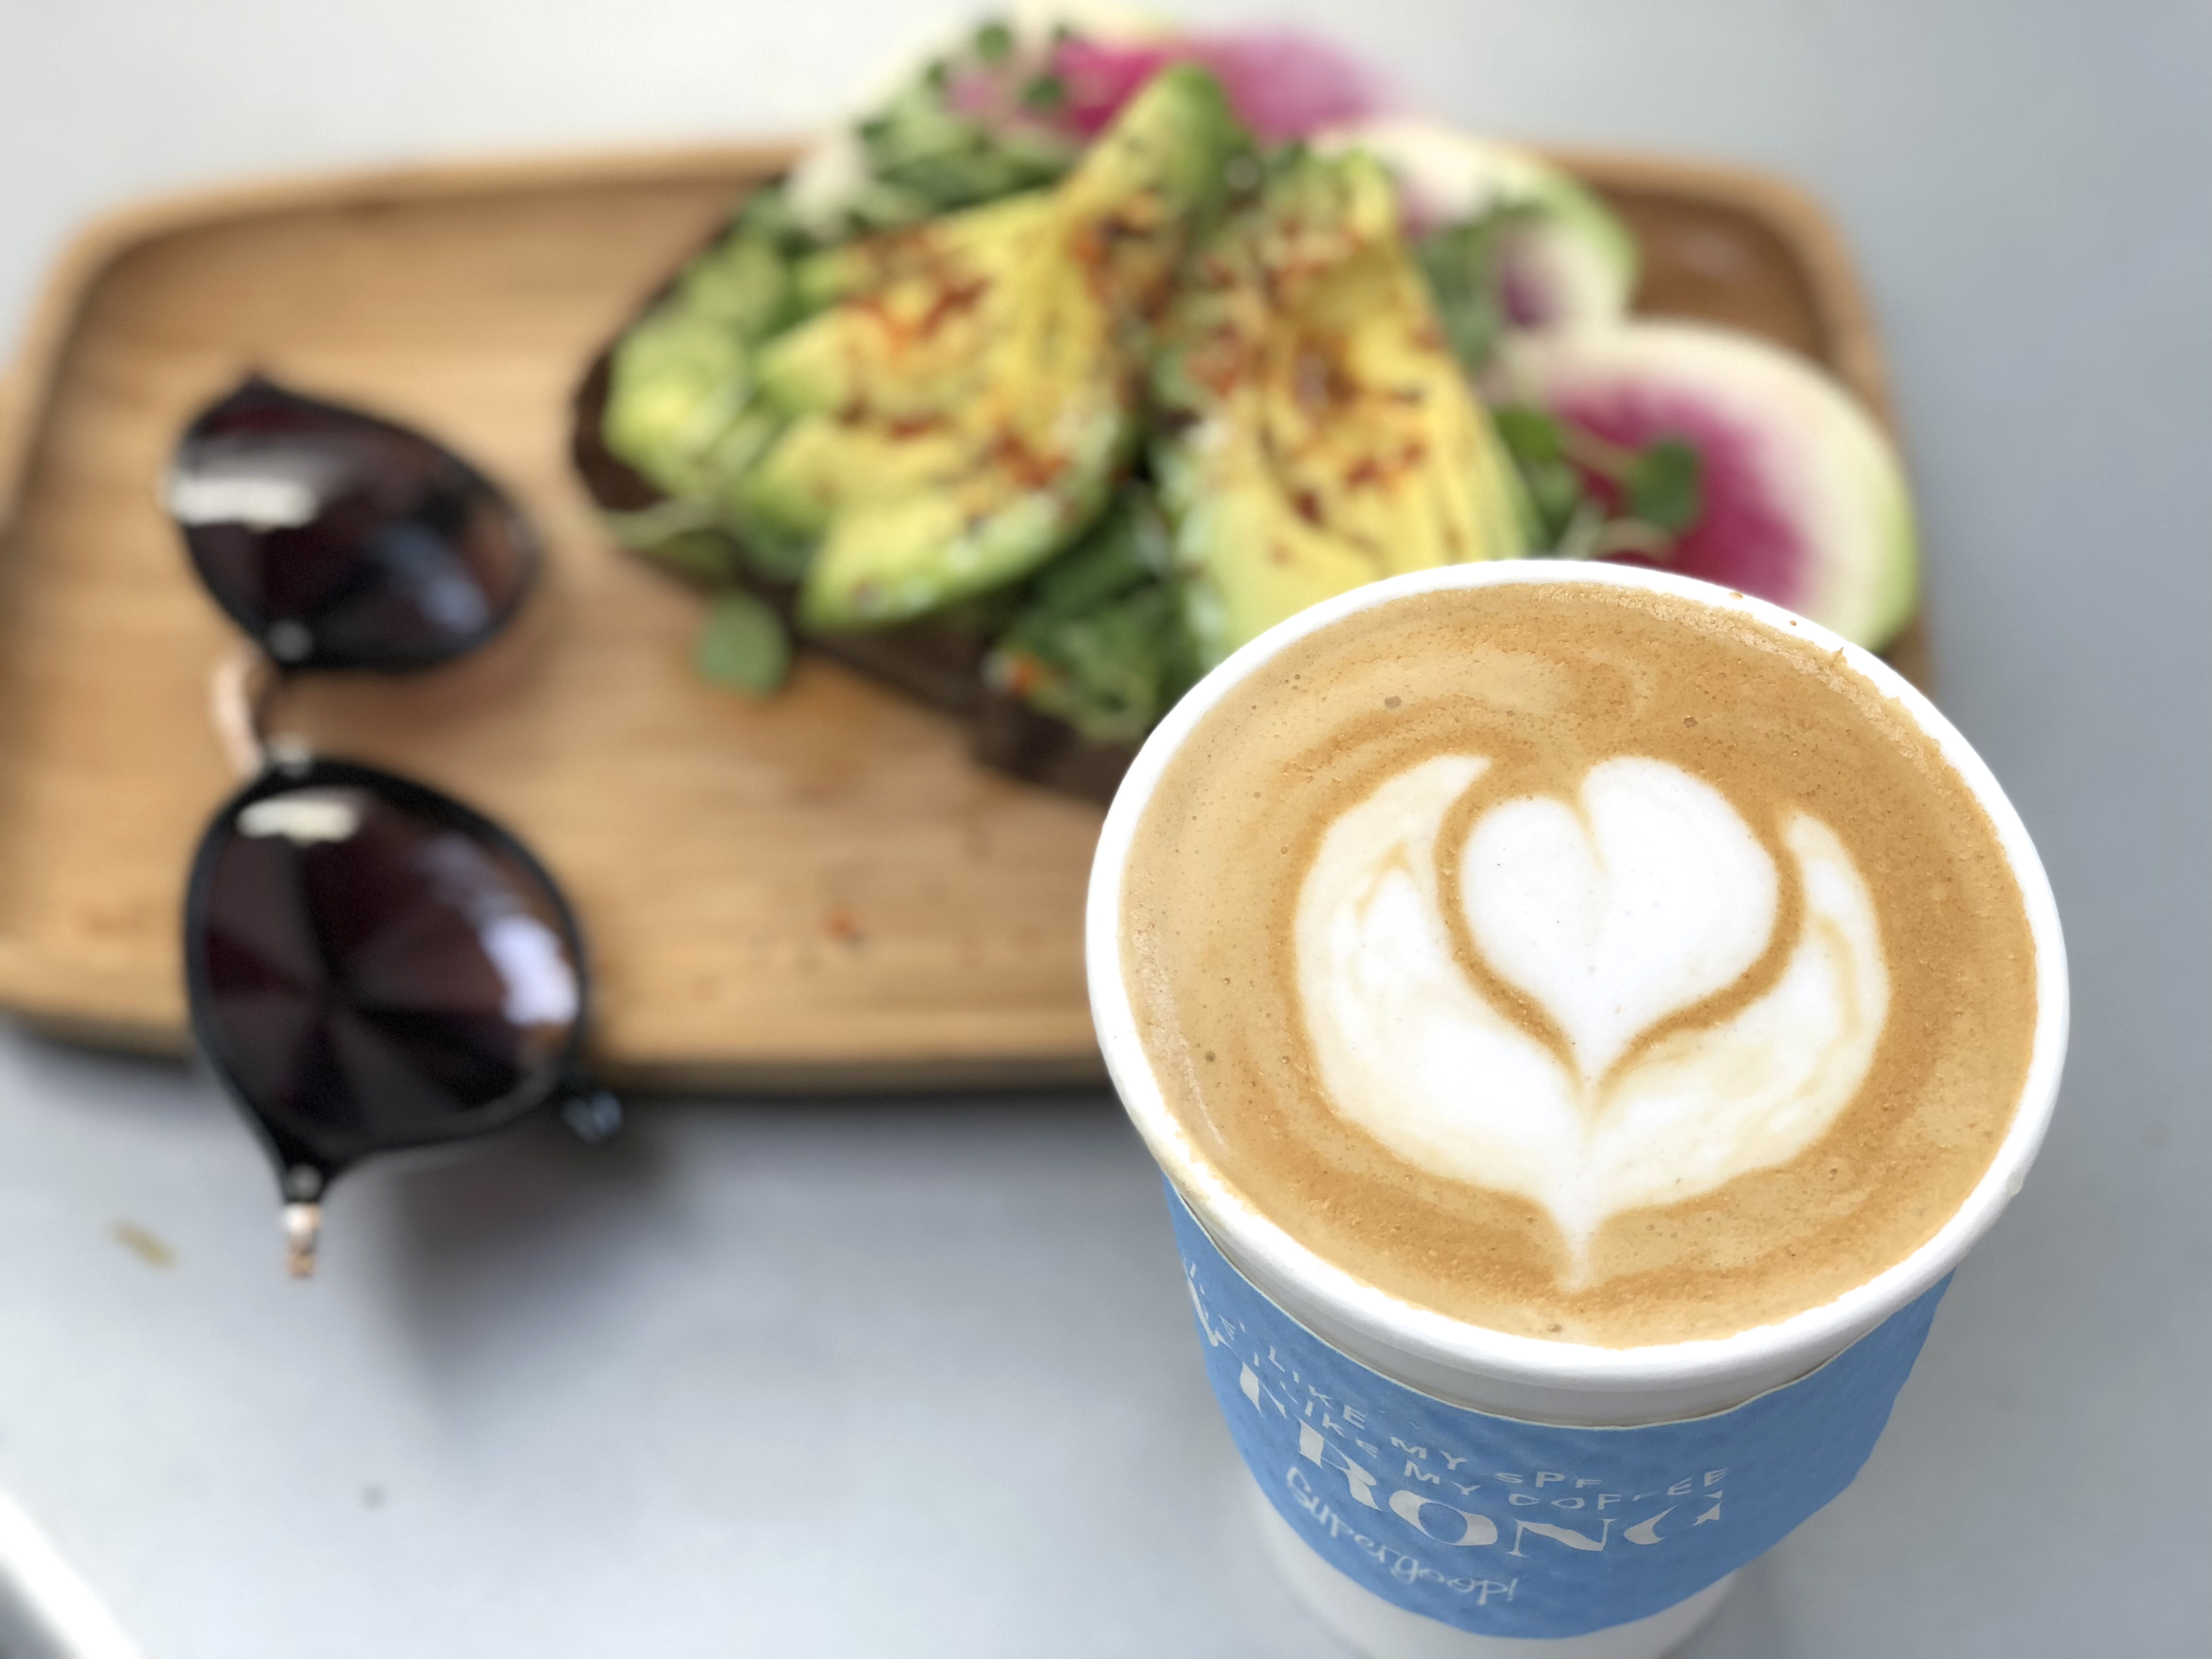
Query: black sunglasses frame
[(300, 1146), (319, 659), (309, 1155)]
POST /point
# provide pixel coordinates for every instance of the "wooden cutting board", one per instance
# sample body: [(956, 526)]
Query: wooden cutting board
[(822, 890)]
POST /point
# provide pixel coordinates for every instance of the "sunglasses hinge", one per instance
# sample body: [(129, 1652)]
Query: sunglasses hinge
[(592, 1115)]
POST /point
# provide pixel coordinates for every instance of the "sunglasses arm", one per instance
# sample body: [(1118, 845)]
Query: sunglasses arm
[(303, 1185), (303, 1227)]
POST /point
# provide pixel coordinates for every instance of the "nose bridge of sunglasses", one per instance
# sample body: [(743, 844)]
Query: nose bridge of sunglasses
[(240, 692)]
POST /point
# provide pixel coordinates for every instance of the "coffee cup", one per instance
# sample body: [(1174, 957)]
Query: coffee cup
[(1433, 1485)]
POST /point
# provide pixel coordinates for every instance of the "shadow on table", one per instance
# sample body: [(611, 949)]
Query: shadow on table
[(534, 1220)]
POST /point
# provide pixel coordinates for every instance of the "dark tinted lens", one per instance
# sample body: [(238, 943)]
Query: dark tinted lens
[(339, 540), (373, 965)]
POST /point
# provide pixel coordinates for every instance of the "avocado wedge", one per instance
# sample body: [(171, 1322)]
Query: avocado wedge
[(681, 381), (1318, 432), (958, 411)]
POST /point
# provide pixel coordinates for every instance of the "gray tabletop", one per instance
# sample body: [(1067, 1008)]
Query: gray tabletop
[(916, 1376)]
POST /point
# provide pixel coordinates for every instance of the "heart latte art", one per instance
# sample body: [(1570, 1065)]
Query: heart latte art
[(1579, 961), (1615, 916)]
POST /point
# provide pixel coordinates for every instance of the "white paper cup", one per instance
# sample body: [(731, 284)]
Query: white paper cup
[(1524, 1378)]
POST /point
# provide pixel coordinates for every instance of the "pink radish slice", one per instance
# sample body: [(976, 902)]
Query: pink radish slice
[(1745, 535), (1281, 84), (1803, 500)]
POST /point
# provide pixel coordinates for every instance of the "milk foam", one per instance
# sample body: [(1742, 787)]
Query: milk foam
[(1643, 896)]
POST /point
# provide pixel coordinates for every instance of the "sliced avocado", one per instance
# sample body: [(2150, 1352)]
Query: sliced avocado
[(954, 241), (743, 280), (960, 412), (676, 382), (681, 381), (1319, 432)]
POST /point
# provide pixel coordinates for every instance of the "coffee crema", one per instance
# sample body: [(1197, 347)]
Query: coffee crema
[(1580, 960)]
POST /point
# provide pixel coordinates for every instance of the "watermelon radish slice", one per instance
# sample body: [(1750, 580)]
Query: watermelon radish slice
[(1282, 84), (1570, 262), (1802, 498)]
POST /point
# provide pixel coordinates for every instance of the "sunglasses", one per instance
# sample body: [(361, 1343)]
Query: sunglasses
[(370, 965)]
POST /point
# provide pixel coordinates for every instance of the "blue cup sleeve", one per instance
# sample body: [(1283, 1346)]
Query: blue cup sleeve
[(1512, 1528)]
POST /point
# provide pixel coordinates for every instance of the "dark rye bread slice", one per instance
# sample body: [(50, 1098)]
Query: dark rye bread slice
[(940, 663)]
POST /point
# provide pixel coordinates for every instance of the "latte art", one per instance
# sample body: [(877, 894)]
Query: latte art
[(1648, 897), (1579, 960), (1647, 893)]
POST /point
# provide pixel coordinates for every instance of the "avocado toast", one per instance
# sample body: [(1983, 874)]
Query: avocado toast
[(1036, 403)]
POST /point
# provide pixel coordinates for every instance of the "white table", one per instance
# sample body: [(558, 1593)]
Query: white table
[(916, 1376)]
